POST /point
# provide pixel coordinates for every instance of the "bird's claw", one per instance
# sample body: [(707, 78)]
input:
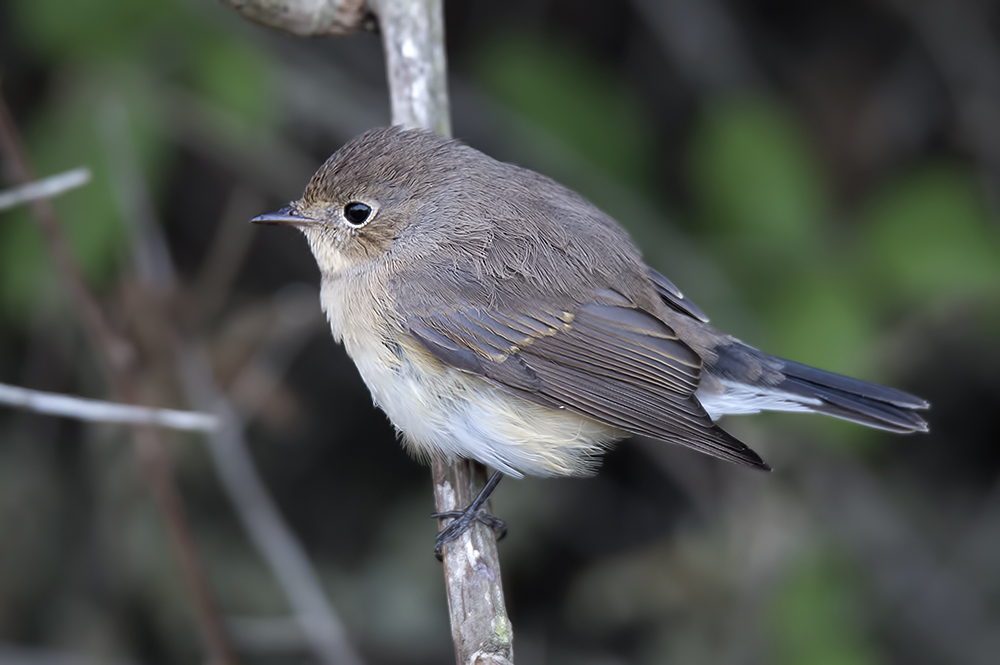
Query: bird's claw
[(463, 520)]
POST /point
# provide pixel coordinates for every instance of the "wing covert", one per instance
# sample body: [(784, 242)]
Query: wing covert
[(673, 296)]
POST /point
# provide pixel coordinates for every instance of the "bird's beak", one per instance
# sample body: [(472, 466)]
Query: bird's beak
[(286, 215)]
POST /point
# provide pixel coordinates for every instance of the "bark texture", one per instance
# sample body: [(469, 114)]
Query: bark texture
[(307, 18)]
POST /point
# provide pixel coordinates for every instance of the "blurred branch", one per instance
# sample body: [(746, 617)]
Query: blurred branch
[(100, 411), (114, 352), (133, 197), (413, 39), (270, 534), (948, 615), (703, 40), (118, 357), (307, 18), (320, 624), (298, 317), (229, 247), (273, 166), (957, 35), (45, 188), (20, 655)]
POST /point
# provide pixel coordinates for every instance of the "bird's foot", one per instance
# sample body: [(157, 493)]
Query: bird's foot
[(464, 519)]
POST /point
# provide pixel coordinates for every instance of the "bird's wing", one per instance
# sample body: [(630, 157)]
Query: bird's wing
[(673, 296), (605, 359)]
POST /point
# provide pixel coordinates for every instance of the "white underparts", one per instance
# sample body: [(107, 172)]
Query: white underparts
[(445, 412)]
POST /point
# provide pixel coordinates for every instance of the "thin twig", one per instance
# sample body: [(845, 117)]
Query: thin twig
[(269, 532), (117, 357), (703, 40), (320, 624), (958, 37), (46, 188), (113, 351), (298, 318), (230, 244), (270, 165), (413, 39), (96, 410)]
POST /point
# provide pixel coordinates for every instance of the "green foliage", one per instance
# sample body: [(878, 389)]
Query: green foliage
[(574, 99), (762, 202), (823, 286), (235, 76), (63, 138), (929, 235), (115, 55), (818, 618), (755, 173), (164, 39), (89, 29), (22, 266), (818, 318)]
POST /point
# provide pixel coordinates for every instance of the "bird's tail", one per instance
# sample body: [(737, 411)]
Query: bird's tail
[(855, 400), (754, 381)]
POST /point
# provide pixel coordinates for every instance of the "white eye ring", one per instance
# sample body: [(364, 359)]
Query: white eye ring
[(357, 213)]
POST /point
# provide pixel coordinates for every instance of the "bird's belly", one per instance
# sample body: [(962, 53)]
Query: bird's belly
[(444, 412)]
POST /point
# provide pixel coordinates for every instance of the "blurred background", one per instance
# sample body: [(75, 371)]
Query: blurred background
[(822, 178)]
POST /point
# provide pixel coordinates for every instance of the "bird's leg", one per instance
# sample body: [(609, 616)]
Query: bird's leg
[(463, 519)]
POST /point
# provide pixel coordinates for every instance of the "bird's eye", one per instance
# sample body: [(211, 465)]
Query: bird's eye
[(357, 213)]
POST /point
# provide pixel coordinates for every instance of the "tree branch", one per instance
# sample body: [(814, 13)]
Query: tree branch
[(479, 625), (112, 350), (44, 189), (96, 410), (413, 39), (321, 627), (307, 18), (117, 356)]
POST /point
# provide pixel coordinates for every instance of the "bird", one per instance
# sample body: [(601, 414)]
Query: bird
[(498, 316)]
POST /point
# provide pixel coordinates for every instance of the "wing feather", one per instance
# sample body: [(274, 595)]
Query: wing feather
[(614, 363), (631, 409), (673, 296)]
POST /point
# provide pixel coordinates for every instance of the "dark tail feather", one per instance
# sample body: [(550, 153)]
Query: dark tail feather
[(851, 399)]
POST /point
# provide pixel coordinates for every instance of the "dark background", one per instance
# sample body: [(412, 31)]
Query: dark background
[(821, 178)]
